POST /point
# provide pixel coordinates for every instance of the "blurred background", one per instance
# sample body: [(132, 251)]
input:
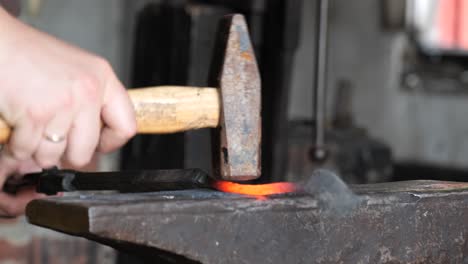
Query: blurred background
[(393, 105)]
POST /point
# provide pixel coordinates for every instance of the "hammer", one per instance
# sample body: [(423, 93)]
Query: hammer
[(233, 108)]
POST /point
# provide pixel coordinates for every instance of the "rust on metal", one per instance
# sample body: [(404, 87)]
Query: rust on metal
[(238, 149)]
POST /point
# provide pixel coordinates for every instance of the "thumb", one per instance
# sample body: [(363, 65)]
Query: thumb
[(15, 205)]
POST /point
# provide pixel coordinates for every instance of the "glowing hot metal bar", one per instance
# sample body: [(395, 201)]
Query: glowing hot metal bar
[(255, 189)]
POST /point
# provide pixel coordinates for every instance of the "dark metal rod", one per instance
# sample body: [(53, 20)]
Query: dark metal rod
[(54, 180), (320, 78)]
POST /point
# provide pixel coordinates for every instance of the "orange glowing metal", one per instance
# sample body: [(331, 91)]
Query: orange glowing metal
[(255, 189)]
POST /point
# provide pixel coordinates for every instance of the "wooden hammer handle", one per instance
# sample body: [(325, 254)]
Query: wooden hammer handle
[(166, 109)]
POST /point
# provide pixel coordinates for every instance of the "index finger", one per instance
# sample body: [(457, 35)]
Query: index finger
[(118, 116)]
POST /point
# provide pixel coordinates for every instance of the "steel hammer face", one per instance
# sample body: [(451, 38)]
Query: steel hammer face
[(237, 140)]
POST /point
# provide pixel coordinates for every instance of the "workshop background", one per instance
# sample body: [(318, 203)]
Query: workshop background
[(396, 94)]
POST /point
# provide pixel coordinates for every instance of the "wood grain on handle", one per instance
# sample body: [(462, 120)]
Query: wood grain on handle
[(166, 109), (169, 109)]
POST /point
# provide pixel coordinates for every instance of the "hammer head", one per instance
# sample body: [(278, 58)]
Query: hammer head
[(237, 140)]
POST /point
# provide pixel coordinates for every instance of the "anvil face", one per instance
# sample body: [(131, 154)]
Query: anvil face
[(418, 221), (166, 222)]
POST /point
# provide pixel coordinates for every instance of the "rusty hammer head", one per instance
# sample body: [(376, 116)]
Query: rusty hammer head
[(236, 142)]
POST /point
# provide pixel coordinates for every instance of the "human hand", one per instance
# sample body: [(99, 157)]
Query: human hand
[(55, 96)]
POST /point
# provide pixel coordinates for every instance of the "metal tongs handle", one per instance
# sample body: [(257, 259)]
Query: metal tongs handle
[(53, 181)]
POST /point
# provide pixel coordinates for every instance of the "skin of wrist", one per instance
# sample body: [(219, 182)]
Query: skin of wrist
[(10, 38), (5, 19), (5, 38)]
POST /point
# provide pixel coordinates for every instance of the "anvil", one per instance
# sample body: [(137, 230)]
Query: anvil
[(325, 222)]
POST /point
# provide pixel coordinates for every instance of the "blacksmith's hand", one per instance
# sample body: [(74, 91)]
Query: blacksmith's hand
[(63, 103)]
